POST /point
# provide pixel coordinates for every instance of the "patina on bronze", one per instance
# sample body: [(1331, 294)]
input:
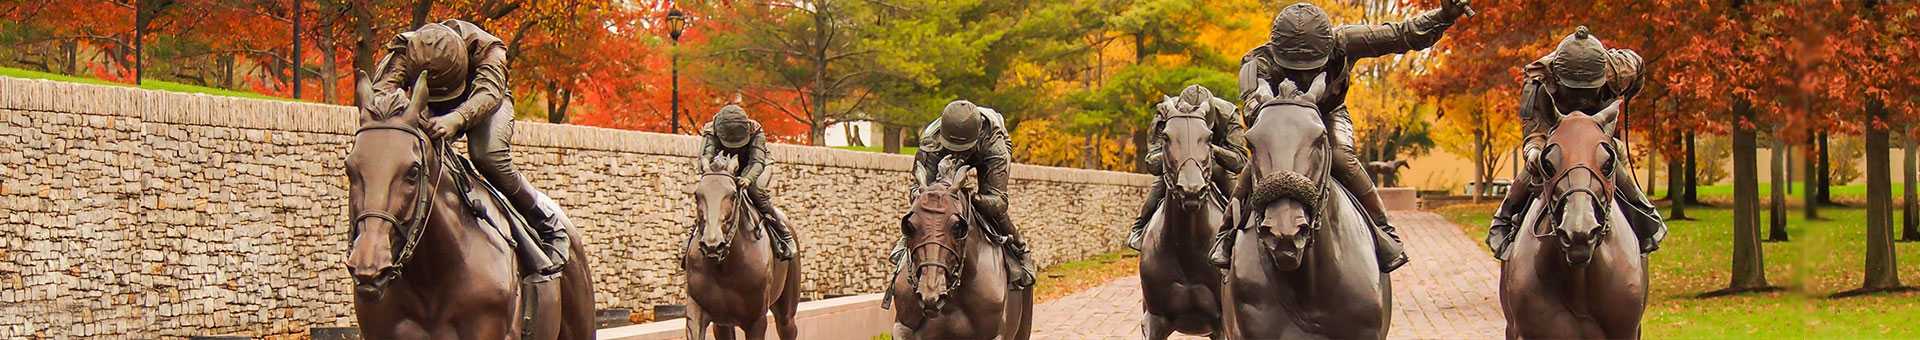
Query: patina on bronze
[(957, 287), (1304, 44), (1573, 276), (733, 279), (1181, 290), (1305, 266), (1581, 74), (418, 209), (1227, 136)]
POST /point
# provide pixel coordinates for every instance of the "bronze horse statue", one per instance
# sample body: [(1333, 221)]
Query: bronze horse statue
[(1304, 265), (733, 279), (1576, 277), (414, 211), (1181, 290), (956, 288)]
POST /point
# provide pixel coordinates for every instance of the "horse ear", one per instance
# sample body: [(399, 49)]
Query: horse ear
[(1318, 89), (1609, 115), (363, 97), (417, 104), (965, 180)]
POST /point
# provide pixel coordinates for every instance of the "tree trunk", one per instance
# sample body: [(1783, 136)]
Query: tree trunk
[(329, 66), (1809, 185), (421, 10), (1140, 151), (1693, 170), (1676, 186), (1777, 199), (1826, 172), (1910, 230), (296, 56), (890, 138), (363, 45), (558, 99), (1882, 269), (71, 47), (1653, 174), (1089, 152), (1479, 167), (1749, 264)]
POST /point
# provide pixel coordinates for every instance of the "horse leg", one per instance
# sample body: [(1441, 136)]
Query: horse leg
[(756, 329), (723, 332), (788, 304), (696, 322), (901, 332), (1155, 327), (1021, 302)]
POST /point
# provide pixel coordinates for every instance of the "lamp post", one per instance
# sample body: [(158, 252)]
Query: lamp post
[(676, 24)]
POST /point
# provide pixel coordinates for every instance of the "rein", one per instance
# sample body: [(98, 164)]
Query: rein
[(740, 208), (415, 224), (954, 271), (1204, 163), (1603, 204)]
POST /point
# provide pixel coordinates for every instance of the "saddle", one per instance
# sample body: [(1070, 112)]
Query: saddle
[(508, 222)]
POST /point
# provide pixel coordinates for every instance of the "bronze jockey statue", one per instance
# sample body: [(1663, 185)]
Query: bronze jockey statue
[(466, 73), (1303, 44), (977, 137), (1229, 141), (732, 132), (1580, 75)]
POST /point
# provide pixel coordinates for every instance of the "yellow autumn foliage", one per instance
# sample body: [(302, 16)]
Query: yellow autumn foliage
[(1042, 142)]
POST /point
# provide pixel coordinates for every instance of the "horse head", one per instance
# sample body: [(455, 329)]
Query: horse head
[(1189, 150), (1291, 157), (391, 172), (935, 229), (1580, 159), (719, 201)]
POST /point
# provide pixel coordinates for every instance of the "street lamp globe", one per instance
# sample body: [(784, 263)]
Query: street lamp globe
[(676, 23)]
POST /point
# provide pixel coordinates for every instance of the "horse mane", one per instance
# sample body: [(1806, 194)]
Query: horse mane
[(723, 163), (387, 104)]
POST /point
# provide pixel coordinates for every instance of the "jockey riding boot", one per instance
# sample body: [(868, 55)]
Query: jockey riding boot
[(1222, 253), (1505, 220), (1641, 214), (1386, 243), (1022, 273), (899, 258), (783, 244), (553, 238), (1154, 196), (781, 230)]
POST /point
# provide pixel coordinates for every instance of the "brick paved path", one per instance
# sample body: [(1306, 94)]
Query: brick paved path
[(1448, 292)]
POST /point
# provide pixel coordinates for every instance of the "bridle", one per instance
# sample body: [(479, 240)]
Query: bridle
[(415, 223), (960, 262), (733, 216), (1317, 206), (1556, 199), (1204, 163)]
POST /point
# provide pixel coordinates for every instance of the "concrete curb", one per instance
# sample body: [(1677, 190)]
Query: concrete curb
[(851, 317)]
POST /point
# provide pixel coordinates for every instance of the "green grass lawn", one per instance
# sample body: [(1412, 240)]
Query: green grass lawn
[(149, 84), (904, 150), (1825, 257), (1851, 193)]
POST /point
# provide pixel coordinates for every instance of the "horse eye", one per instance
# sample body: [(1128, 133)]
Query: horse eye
[(413, 172)]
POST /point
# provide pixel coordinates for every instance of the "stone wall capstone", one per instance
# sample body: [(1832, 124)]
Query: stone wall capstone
[(139, 214)]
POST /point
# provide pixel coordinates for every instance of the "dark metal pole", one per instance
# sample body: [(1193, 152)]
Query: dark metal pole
[(675, 124)]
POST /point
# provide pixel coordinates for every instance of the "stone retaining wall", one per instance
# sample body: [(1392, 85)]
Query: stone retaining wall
[(134, 213)]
